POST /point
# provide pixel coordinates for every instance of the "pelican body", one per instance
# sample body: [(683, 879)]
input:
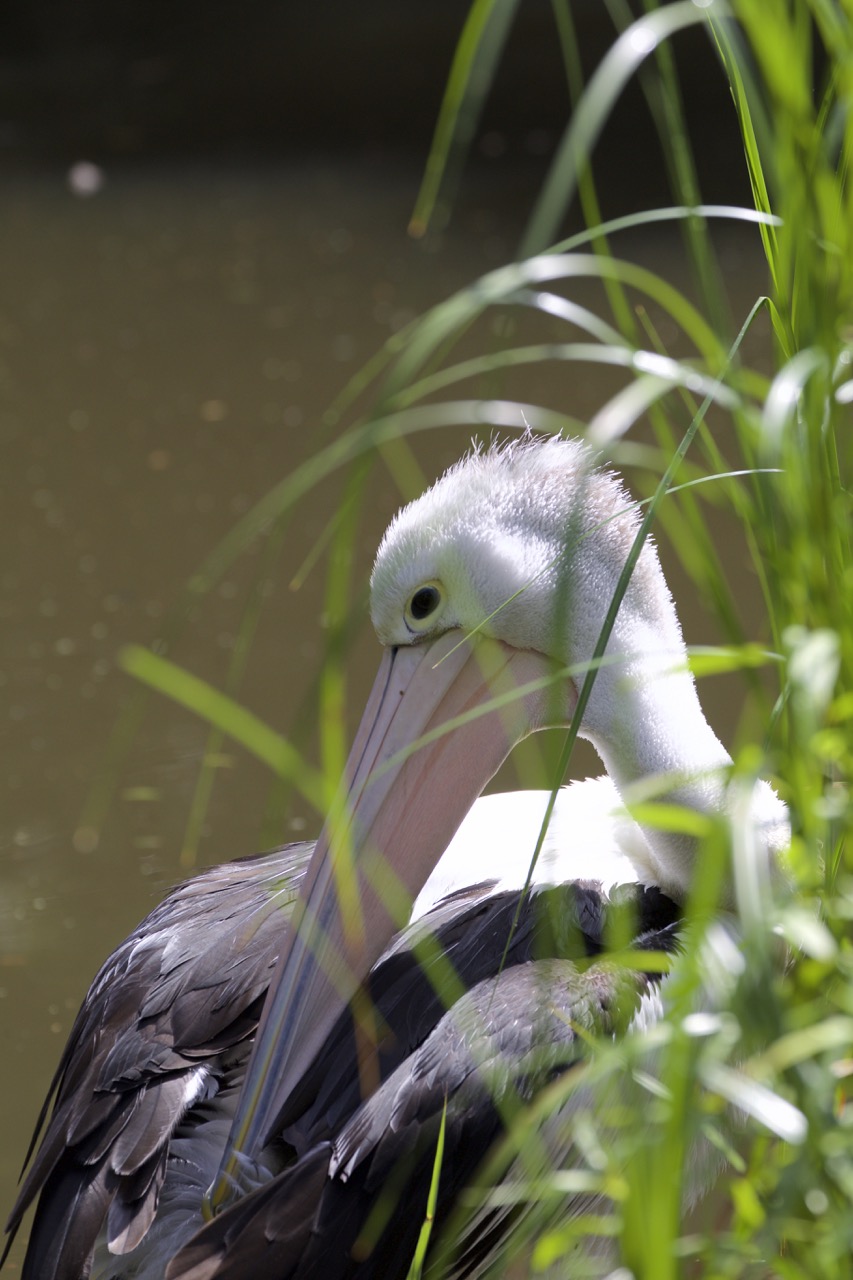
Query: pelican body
[(253, 1090)]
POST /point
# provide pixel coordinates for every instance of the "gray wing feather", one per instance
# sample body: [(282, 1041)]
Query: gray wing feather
[(163, 1014), (471, 1068)]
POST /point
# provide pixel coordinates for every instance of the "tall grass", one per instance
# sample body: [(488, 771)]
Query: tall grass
[(766, 1079)]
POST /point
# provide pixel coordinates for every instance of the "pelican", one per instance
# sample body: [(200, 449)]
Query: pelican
[(300, 1066)]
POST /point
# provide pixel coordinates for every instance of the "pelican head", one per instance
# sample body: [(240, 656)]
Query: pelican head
[(522, 542), (488, 594), (525, 544)]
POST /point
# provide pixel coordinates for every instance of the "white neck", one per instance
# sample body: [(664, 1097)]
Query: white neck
[(646, 722)]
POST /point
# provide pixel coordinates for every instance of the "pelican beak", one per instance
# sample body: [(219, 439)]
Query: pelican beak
[(407, 788)]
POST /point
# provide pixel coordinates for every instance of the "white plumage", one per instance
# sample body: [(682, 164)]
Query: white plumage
[(590, 836)]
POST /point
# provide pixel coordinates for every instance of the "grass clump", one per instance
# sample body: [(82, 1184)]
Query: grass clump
[(778, 1050)]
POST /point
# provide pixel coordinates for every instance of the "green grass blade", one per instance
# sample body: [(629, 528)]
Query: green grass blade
[(271, 748), (618, 66), (475, 60)]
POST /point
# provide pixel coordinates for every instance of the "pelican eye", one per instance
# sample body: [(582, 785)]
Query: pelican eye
[(423, 604)]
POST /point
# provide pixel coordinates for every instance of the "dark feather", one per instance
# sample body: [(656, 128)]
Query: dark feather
[(232, 1249), (165, 1010), (471, 1068), (159, 1048)]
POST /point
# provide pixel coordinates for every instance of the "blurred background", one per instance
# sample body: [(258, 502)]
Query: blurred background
[(203, 236)]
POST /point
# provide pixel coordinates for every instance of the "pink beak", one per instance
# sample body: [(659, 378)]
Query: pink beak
[(440, 720)]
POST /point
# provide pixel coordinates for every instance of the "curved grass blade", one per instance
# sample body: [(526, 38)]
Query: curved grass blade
[(475, 60), (268, 746), (603, 92)]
